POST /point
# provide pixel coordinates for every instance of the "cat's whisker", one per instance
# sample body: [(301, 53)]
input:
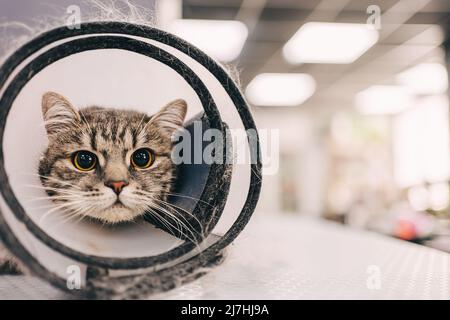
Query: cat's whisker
[(152, 207), (179, 208), (51, 205), (59, 197), (81, 214), (174, 207), (61, 213), (187, 226), (58, 190), (158, 217), (64, 197), (67, 218), (76, 208), (59, 207), (169, 225), (77, 212), (181, 196), (52, 179), (54, 199), (185, 211), (188, 197)]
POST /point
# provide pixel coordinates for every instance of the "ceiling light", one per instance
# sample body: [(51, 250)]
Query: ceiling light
[(425, 78), (383, 100), (280, 89), (319, 42), (221, 39), (420, 142)]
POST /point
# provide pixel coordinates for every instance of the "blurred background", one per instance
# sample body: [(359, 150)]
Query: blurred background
[(359, 92), (357, 89)]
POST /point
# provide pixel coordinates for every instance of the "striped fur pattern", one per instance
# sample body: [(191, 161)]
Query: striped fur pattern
[(112, 135)]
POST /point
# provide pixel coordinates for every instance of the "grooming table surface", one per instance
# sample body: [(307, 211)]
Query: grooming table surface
[(289, 257)]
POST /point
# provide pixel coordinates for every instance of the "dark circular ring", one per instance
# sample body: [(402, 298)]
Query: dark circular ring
[(94, 43), (165, 38)]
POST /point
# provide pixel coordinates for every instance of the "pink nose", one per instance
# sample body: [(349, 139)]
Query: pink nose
[(117, 186)]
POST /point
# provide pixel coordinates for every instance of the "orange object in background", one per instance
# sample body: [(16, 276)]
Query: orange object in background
[(405, 230)]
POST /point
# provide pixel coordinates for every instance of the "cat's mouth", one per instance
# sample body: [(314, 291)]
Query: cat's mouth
[(117, 212), (118, 204)]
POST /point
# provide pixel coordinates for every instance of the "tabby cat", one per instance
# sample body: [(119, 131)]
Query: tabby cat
[(107, 164)]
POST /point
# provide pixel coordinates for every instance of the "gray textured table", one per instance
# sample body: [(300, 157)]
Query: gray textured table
[(288, 257)]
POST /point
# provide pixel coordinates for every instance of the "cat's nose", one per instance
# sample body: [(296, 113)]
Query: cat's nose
[(117, 186)]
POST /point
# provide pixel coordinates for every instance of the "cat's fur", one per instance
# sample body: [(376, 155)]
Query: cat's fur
[(112, 135)]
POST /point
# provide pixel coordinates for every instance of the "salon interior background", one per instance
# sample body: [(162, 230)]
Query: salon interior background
[(362, 111)]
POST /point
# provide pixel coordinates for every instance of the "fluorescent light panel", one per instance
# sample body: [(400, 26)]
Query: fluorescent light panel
[(221, 39), (379, 99), (421, 142), (280, 89), (319, 42), (425, 78)]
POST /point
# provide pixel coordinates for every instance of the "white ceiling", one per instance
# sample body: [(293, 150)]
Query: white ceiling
[(408, 36)]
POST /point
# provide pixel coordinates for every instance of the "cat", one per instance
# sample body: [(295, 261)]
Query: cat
[(107, 164)]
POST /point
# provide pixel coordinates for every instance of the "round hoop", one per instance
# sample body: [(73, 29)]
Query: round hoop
[(96, 40)]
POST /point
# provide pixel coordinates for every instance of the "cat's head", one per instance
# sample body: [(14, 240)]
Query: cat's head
[(109, 164)]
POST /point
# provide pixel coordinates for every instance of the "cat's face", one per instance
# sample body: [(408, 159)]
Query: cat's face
[(108, 164)]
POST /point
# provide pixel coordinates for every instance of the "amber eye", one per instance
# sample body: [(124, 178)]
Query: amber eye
[(142, 158), (84, 160)]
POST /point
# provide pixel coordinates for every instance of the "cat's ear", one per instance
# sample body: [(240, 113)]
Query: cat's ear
[(171, 116), (58, 113)]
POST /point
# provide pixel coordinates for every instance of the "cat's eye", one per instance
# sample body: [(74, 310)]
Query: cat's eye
[(142, 158), (84, 160)]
